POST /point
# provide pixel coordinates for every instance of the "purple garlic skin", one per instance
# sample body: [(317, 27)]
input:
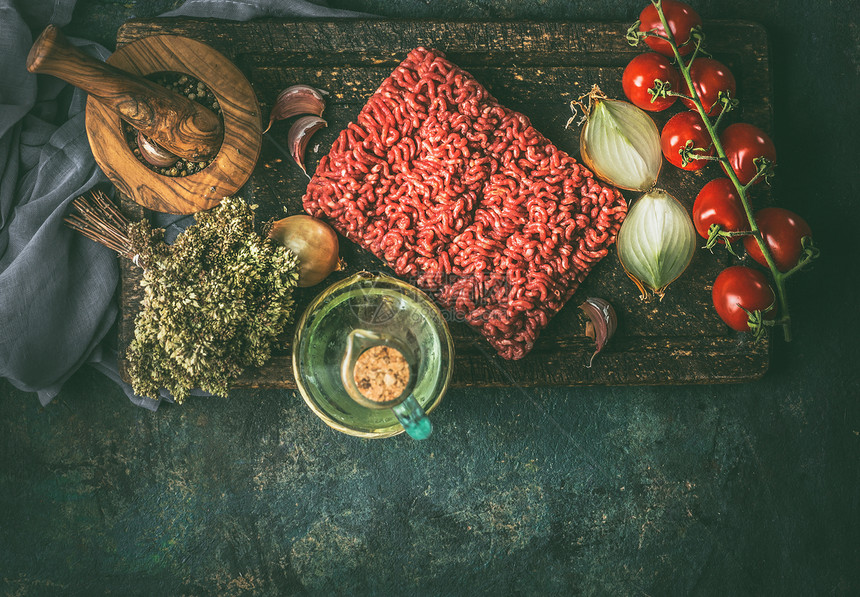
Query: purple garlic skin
[(295, 101), (603, 322), (299, 136)]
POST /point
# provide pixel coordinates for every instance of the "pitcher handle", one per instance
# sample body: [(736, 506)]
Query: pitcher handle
[(413, 418)]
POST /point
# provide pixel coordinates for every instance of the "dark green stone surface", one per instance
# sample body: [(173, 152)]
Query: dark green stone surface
[(713, 490)]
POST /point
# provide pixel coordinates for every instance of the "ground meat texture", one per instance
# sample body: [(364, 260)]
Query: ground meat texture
[(464, 198)]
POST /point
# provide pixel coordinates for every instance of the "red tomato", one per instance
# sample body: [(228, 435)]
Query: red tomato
[(681, 128), (681, 19), (639, 77), (743, 143), (718, 203), (738, 288), (781, 231), (709, 78)]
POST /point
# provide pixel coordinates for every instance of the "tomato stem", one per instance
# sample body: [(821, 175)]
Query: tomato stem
[(810, 253), (680, 95), (698, 156), (764, 168), (651, 33), (715, 233), (727, 103), (633, 35), (778, 277), (738, 233), (661, 89)]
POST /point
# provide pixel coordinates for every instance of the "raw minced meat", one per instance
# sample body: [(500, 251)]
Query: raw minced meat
[(464, 198)]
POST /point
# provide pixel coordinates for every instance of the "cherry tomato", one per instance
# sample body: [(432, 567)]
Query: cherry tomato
[(782, 231), (681, 19), (709, 78), (683, 127), (718, 203), (639, 77), (743, 143), (738, 288)]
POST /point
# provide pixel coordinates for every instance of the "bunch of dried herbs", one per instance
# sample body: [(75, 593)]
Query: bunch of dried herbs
[(215, 301)]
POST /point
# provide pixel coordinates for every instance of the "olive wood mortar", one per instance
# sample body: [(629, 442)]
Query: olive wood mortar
[(119, 92)]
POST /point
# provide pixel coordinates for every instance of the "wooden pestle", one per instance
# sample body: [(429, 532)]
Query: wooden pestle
[(178, 124)]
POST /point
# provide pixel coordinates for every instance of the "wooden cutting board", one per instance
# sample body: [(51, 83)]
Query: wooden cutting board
[(535, 68)]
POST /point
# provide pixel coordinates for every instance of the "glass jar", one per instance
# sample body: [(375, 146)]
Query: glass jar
[(343, 323)]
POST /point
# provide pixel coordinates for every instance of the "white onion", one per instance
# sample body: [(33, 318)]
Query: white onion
[(621, 144), (656, 242)]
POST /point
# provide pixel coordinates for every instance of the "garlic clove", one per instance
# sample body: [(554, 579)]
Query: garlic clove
[(154, 153), (299, 136), (296, 100), (602, 323)]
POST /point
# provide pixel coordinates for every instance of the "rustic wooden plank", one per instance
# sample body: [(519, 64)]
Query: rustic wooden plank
[(326, 39), (535, 68)]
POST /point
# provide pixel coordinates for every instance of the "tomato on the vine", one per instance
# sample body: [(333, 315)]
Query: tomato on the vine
[(681, 18), (709, 79), (681, 128), (639, 76), (738, 288), (743, 144), (782, 231), (719, 203)]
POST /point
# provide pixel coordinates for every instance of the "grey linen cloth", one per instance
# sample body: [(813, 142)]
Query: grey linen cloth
[(57, 289)]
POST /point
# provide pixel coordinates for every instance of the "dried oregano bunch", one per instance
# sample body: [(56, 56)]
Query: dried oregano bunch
[(214, 302)]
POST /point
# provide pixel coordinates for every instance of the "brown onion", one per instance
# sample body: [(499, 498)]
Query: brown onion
[(313, 241)]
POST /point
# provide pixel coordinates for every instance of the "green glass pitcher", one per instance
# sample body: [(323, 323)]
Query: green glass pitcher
[(373, 356)]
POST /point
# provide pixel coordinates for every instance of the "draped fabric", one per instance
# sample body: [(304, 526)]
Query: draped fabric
[(58, 299)]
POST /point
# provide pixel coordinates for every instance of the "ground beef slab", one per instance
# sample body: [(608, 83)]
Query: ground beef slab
[(464, 198)]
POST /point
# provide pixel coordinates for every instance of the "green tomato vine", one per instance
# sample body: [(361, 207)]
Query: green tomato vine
[(764, 170)]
